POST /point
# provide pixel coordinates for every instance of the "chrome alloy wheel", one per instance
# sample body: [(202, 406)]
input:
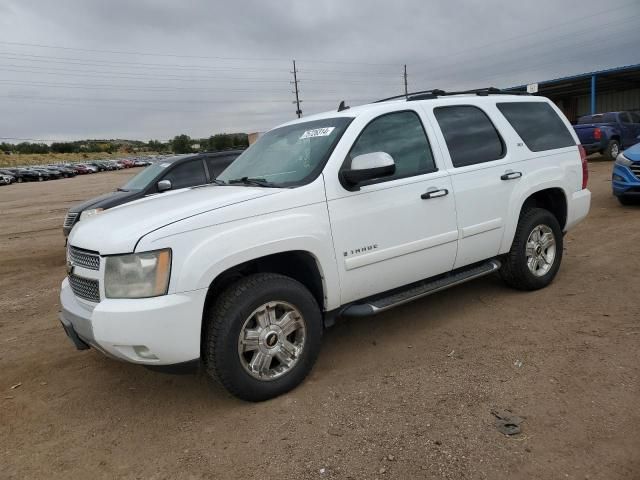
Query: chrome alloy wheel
[(615, 150), (271, 340), (541, 250)]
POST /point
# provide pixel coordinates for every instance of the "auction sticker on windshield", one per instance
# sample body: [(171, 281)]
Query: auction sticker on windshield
[(317, 132)]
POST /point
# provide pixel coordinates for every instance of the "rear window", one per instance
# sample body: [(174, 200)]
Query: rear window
[(538, 125), (471, 137), (597, 118)]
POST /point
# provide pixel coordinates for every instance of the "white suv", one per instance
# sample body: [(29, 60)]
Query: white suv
[(346, 213)]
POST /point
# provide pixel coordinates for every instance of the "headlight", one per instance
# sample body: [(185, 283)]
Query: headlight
[(90, 213), (138, 275), (622, 160)]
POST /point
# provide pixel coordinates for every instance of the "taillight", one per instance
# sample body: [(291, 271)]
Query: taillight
[(597, 133), (585, 168)]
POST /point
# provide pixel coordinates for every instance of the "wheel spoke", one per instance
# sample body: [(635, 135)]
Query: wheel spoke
[(271, 314), (262, 317), (287, 352), (531, 248), (547, 240), (535, 235), (289, 323), (260, 362), (250, 340)]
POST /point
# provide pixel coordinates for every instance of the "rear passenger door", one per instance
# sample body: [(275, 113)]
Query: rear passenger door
[(482, 175)]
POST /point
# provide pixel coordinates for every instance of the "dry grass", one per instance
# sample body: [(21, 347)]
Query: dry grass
[(18, 159)]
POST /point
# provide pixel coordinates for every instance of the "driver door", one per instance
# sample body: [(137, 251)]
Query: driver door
[(398, 229)]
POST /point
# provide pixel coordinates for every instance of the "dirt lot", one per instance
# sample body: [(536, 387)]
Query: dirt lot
[(407, 394)]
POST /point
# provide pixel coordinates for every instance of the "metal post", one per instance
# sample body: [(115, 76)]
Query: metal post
[(593, 94), (406, 88), (296, 91)]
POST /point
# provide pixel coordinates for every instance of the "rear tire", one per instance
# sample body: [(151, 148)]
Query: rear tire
[(263, 336), (536, 252), (612, 150)]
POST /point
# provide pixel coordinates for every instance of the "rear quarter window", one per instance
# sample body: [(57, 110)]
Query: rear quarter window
[(538, 125)]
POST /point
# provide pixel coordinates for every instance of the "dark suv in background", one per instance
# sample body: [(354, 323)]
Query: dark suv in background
[(167, 174)]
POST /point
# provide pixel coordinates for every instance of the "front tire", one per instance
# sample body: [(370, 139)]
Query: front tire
[(263, 336), (612, 150), (628, 200), (536, 252)]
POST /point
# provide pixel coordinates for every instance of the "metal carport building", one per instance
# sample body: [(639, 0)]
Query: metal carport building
[(609, 90)]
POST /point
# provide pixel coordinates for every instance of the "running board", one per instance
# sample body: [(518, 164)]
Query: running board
[(385, 301)]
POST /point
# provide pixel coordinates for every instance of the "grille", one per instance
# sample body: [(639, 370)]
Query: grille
[(85, 288), (635, 168), (70, 219), (84, 259)]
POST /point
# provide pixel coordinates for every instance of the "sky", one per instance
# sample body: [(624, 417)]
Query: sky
[(152, 69)]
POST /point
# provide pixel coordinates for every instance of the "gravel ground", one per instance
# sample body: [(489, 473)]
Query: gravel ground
[(407, 394)]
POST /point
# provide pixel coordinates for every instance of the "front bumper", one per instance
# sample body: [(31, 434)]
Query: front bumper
[(624, 182), (161, 330)]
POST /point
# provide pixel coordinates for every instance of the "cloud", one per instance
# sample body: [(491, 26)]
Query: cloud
[(156, 68)]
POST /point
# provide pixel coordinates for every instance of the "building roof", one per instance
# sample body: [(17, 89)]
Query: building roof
[(612, 79)]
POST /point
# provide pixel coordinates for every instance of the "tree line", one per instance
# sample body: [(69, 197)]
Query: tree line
[(179, 144)]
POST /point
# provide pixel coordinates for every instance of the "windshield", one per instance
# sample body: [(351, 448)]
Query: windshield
[(289, 156), (142, 179)]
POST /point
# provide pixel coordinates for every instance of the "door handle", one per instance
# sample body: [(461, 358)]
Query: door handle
[(511, 176), (434, 194)]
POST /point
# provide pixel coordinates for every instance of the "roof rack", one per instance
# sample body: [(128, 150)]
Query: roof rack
[(435, 93)]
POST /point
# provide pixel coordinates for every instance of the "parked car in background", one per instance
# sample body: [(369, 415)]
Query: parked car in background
[(11, 173), (25, 175), (82, 169), (65, 171), (6, 179), (169, 174), (125, 162), (608, 133), (625, 179), (46, 173)]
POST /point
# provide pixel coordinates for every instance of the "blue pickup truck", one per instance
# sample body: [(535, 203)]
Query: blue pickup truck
[(608, 133)]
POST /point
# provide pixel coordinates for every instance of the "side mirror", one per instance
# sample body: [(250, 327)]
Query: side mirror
[(164, 185), (369, 166)]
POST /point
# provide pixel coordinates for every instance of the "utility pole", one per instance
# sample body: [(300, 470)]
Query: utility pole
[(406, 88), (296, 91)]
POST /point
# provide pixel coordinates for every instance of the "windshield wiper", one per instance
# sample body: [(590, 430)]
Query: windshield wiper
[(260, 182), (121, 190)]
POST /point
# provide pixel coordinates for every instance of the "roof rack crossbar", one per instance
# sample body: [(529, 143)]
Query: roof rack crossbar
[(435, 93), (406, 96)]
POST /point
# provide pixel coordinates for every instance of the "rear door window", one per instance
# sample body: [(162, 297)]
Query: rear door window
[(470, 135), (187, 174), (538, 125), (217, 164)]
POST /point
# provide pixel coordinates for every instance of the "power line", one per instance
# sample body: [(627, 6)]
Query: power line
[(169, 55), (573, 21), (134, 101)]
